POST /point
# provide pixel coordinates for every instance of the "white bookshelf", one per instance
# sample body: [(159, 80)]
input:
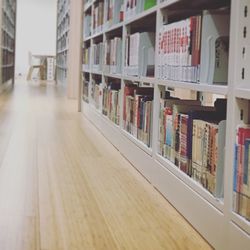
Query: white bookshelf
[(7, 36), (63, 27), (213, 218)]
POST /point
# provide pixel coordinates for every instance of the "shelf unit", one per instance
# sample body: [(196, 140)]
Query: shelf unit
[(213, 218), (8, 36), (63, 26)]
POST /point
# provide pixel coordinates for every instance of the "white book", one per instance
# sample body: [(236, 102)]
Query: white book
[(134, 49)]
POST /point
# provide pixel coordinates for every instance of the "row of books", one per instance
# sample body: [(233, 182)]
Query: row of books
[(86, 58), (61, 75), (63, 26), (193, 138), (195, 49), (98, 15), (63, 42), (7, 57), (61, 59), (106, 98), (7, 41), (7, 74), (104, 15), (134, 7), (241, 183), (113, 55), (111, 100), (113, 13), (8, 10), (8, 24), (139, 54), (96, 93), (63, 7), (87, 25), (137, 112), (111, 50), (97, 55)]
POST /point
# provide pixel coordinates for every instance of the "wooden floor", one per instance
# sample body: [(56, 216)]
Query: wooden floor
[(63, 186)]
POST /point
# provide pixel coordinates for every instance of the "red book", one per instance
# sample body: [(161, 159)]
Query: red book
[(243, 134), (128, 90)]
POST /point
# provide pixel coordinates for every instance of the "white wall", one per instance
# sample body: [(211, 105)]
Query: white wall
[(36, 30)]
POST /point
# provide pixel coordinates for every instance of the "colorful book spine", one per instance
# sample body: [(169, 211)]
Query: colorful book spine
[(241, 185), (179, 51), (194, 140), (111, 102), (137, 115)]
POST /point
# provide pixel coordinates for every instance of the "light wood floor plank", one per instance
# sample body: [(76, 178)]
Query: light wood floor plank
[(63, 186)]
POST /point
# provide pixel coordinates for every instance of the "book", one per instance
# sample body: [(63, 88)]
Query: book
[(96, 93), (189, 112), (113, 55), (97, 55), (110, 101), (113, 12), (246, 183), (149, 4), (208, 154), (166, 128), (139, 54), (87, 25), (241, 186), (86, 91), (179, 50), (137, 112), (193, 138), (98, 16), (195, 49)]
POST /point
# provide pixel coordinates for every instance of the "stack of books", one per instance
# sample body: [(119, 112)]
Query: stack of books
[(111, 101), (193, 138), (96, 93), (113, 55), (140, 54), (98, 15), (241, 186), (113, 13), (195, 49), (97, 53), (137, 112)]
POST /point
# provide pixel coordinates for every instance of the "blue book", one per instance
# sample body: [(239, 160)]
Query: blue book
[(246, 161)]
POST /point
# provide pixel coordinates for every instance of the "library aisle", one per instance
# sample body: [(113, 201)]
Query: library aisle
[(63, 186)]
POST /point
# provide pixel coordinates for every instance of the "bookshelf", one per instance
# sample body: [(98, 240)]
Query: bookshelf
[(8, 33), (126, 72), (63, 25)]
